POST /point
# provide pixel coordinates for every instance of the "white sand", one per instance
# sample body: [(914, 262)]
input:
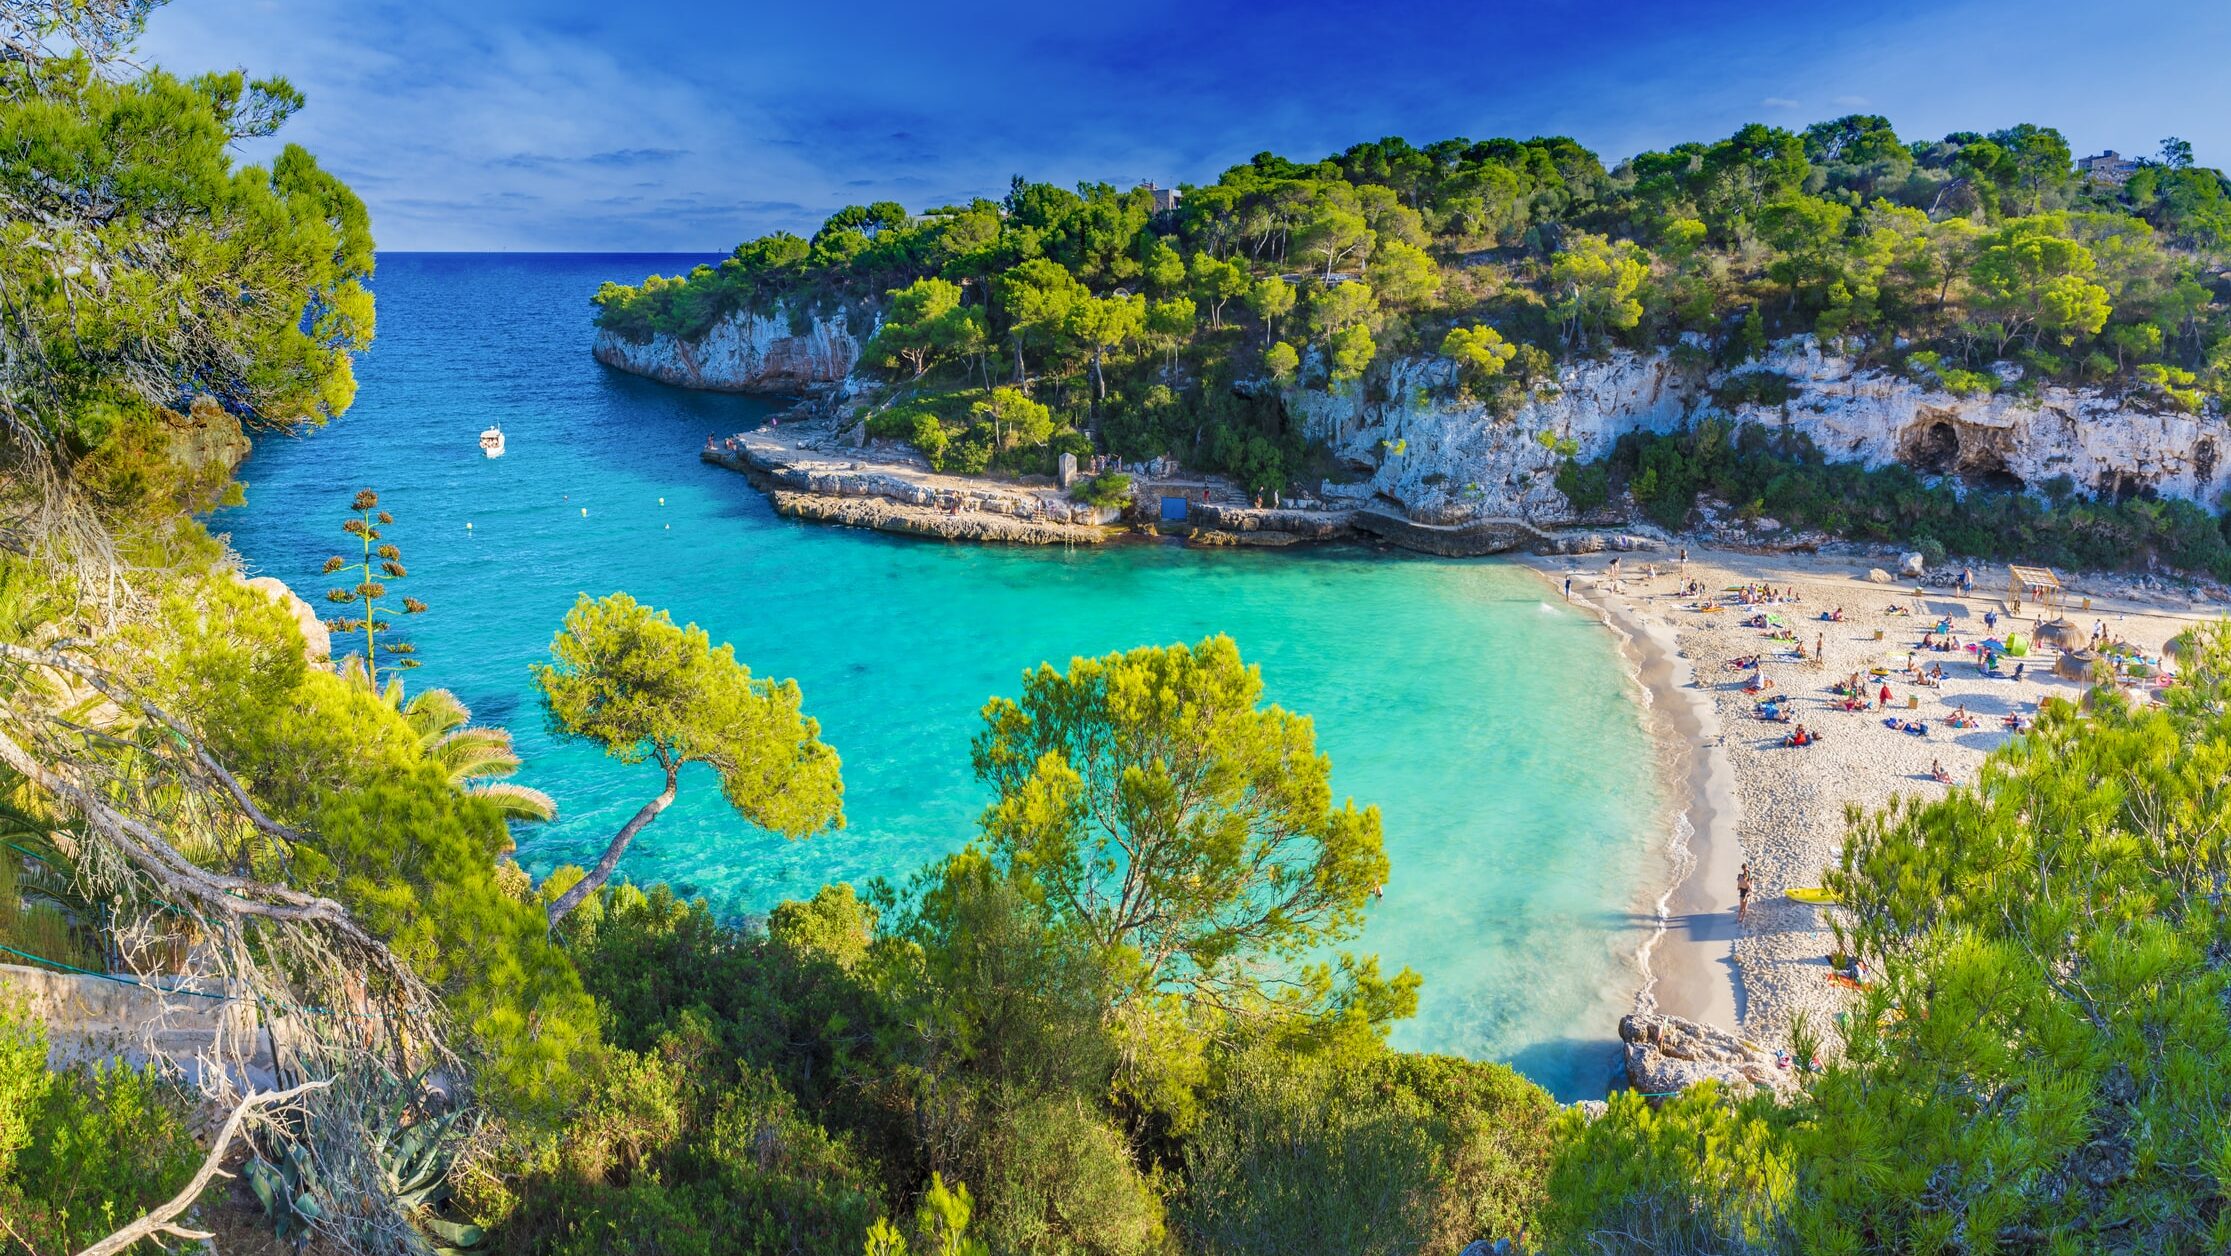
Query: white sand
[(1744, 795)]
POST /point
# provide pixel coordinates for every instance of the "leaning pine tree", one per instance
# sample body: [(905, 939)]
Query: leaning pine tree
[(623, 676), (365, 525)]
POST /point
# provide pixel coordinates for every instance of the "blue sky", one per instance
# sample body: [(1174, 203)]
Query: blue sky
[(676, 125)]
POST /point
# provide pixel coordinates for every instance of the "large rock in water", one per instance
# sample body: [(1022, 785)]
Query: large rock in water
[(1669, 1054)]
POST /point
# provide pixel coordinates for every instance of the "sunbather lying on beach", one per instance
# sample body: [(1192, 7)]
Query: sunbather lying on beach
[(1937, 772), (1745, 663), (1912, 727)]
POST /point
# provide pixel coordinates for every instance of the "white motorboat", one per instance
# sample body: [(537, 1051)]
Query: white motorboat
[(492, 442)]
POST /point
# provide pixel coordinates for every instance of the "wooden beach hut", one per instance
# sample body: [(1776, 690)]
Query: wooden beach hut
[(2032, 586)]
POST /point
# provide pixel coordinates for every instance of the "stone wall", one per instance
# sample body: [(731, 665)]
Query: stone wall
[(94, 1018)]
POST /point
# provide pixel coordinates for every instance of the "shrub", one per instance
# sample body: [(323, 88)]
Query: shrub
[(1110, 489), (83, 1150), (1968, 383), (1754, 388), (1587, 485)]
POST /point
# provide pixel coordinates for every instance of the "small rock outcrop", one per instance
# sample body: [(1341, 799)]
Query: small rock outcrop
[(317, 640), (885, 515), (1669, 1054), (206, 437)]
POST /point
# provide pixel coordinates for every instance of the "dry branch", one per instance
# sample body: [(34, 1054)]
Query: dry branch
[(164, 1219)]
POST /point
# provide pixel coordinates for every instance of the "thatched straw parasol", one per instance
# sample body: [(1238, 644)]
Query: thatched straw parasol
[(2075, 664), (2059, 634)]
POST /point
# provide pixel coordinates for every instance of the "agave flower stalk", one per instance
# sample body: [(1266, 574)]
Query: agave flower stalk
[(371, 588)]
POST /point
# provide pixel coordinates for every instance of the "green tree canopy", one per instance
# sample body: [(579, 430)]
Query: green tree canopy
[(626, 678), (926, 324), (1480, 353), (1597, 285), (1159, 806)]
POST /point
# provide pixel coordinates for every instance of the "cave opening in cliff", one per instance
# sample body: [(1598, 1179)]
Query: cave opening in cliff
[(1996, 478), (1937, 450)]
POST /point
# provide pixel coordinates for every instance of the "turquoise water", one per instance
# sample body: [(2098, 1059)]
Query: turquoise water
[(1492, 726)]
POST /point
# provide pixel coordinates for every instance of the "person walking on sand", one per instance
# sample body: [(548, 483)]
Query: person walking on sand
[(1568, 588), (1743, 893), (1883, 699)]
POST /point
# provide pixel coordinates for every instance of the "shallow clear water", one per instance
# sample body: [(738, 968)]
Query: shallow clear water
[(1491, 725)]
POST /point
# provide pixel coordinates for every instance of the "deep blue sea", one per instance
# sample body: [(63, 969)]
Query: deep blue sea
[(1494, 727)]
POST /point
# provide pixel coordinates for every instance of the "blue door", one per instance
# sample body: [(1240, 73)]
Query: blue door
[(1173, 510)]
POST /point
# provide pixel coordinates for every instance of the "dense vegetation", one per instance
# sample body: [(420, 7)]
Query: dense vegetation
[(1781, 475), (1118, 1018), (1146, 332)]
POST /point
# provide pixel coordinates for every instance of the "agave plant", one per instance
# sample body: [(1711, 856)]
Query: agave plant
[(414, 1158)]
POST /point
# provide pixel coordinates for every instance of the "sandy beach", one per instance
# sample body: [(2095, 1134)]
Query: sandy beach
[(1742, 794)]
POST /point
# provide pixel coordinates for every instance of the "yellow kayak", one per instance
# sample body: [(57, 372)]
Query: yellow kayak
[(1812, 894)]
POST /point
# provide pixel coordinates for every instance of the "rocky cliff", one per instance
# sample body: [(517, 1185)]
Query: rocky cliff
[(1445, 462), (747, 351), (1437, 460)]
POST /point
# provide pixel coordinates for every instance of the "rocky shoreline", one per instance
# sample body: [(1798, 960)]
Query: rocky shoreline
[(884, 515), (809, 474)]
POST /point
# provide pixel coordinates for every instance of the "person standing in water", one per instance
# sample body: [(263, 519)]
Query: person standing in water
[(1568, 588), (1743, 893)]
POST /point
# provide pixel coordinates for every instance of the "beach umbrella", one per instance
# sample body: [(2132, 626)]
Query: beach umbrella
[(2075, 664), (2061, 635)]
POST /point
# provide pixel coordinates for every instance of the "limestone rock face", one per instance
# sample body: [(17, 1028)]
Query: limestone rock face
[(317, 641), (748, 352), (1668, 1054), (206, 437), (1443, 461), (1418, 450)]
